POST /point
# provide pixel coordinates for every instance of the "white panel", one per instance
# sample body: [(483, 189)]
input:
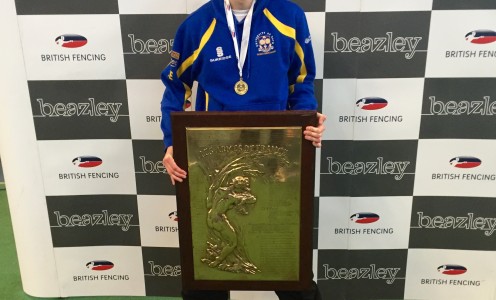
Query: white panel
[(100, 58), (424, 281), (152, 6), (399, 120), (144, 98), (194, 5), (21, 166), (253, 295), (317, 31), (391, 230), (437, 175), (77, 277), (64, 176), (341, 6), (450, 54), (158, 221), (396, 5), (339, 97)]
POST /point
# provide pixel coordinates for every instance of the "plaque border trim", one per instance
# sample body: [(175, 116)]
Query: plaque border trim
[(182, 120)]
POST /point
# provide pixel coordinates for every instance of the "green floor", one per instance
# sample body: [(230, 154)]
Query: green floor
[(10, 283)]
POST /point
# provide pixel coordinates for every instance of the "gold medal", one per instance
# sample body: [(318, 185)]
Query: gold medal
[(241, 87)]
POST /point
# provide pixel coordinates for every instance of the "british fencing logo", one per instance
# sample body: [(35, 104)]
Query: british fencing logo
[(452, 269), (481, 36), (371, 103), (265, 44), (71, 40), (87, 161), (465, 162), (173, 216), (364, 218), (100, 265)]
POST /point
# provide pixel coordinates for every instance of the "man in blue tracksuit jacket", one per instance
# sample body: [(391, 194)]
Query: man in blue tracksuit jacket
[(246, 55)]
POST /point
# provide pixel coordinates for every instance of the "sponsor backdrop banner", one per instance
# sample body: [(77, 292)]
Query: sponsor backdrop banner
[(405, 184)]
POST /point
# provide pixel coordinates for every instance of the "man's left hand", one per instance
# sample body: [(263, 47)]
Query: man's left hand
[(314, 134)]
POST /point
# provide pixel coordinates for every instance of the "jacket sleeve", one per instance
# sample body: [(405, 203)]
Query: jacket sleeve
[(302, 69), (178, 80)]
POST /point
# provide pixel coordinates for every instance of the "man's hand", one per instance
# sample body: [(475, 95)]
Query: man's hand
[(175, 173), (314, 134)]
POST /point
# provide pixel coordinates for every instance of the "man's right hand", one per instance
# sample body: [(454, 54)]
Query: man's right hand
[(175, 173)]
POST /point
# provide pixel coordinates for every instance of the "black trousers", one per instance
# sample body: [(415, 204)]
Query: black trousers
[(312, 294)]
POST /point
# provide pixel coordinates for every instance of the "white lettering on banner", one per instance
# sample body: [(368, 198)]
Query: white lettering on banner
[(386, 44), (388, 274), (103, 219), (378, 167), (456, 108), (151, 46), (151, 167), (92, 109), (488, 225), (167, 270)]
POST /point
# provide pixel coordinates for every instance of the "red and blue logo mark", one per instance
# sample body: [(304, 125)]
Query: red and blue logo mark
[(365, 218), (465, 162), (371, 103), (71, 40), (452, 269), (481, 36), (99, 265), (87, 161), (173, 216)]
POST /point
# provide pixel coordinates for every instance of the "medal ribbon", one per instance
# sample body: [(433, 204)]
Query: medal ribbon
[(244, 38)]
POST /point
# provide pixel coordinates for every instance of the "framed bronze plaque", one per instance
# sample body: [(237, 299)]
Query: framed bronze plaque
[(245, 209)]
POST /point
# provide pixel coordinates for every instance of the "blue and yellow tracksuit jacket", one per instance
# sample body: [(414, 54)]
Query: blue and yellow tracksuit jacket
[(279, 67)]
